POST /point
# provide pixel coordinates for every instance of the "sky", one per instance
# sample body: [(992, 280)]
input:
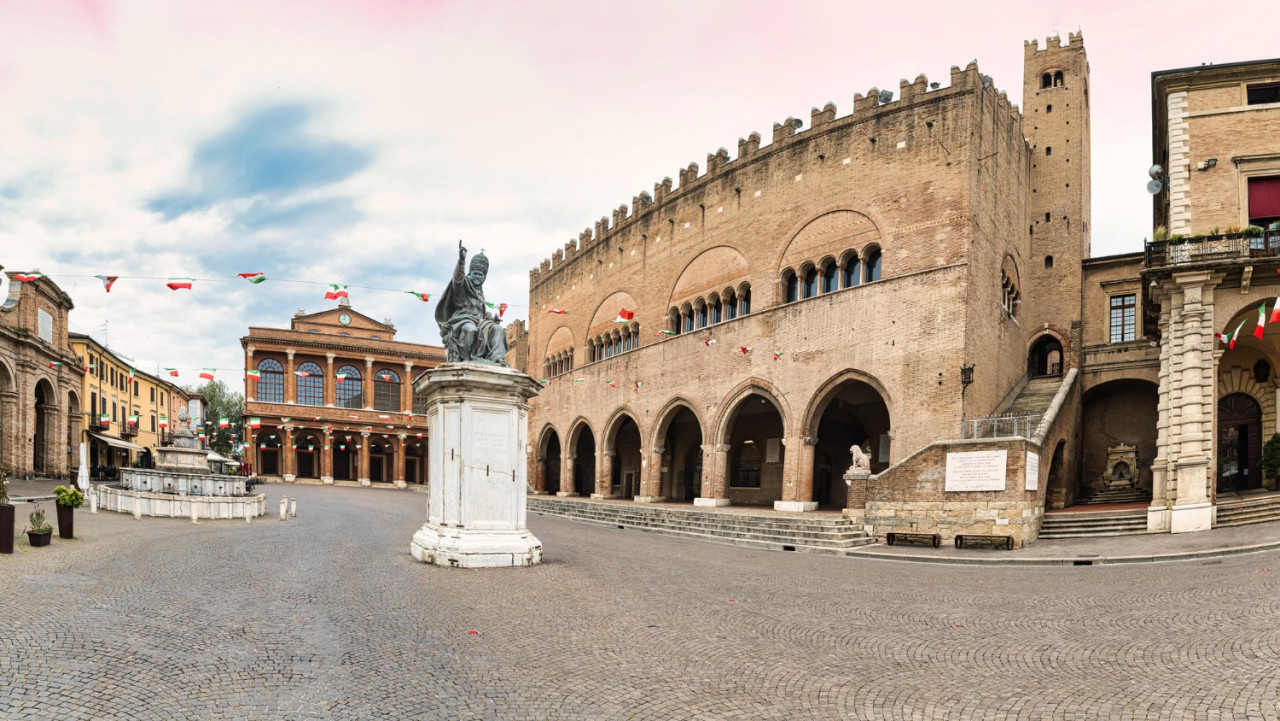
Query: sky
[(356, 142)]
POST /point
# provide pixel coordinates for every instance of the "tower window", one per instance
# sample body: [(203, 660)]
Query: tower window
[(1057, 79), (1048, 109), (1048, 262), (1047, 218), (1048, 150), (1046, 80), (1263, 93)]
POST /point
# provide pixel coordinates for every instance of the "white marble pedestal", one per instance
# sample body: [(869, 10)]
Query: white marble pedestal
[(476, 466)]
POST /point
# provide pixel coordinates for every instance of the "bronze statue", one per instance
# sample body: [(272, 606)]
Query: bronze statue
[(468, 332)]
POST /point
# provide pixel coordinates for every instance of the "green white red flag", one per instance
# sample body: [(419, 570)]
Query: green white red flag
[(255, 423), (107, 281), (301, 374), (1262, 321), (256, 375), (557, 311), (424, 297), (336, 291), (709, 342), (254, 278), (172, 371), (25, 277), (625, 316), (164, 421), (207, 373), (224, 422), (54, 364), (341, 377), (666, 332), (1229, 339), (777, 355), (180, 283)]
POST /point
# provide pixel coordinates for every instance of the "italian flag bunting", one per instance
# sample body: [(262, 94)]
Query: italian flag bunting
[(172, 371), (180, 283), (131, 374), (777, 355), (301, 374), (54, 364), (256, 375), (207, 373), (625, 316), (1262, 321), (709, 342), (224, 422), (502, 307), (1229, 339), (424, 297), (745, 350), (639, 383), (164, 421), (336, 291), (666, 332), (107, 281), (254, 278), (1275, 312), (557, 311), (613, 384), (25, 277), (255, 423), (105, 419), (133, 419), (341, 377)]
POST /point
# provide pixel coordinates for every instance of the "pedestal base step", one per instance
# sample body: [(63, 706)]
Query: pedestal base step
[(466, 548)]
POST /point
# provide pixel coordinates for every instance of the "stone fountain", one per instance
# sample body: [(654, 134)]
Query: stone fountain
[(181, 485)]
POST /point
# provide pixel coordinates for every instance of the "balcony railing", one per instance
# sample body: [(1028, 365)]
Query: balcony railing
[(1213, 248), (1001, 426)]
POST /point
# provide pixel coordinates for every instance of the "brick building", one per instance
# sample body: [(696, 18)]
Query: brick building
[(335, 400), (40, 379), (915, 278)]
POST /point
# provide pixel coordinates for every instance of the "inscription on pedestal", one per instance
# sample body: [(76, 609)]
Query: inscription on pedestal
[(976, 471)]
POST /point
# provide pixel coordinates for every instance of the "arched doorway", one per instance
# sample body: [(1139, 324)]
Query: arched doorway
[(74, 424), (680, 438), (42, 450), (381, 454), (415, 460), (1054, 480), (584, 462), (306, 450), (1239, 443), (268, 454), (550, 462), (754, 433), (1114, 414), (344, 457), (1045, 358), (624, 479), (851, 413)]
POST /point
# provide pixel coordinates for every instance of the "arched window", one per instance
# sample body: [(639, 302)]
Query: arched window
[(270, 381), (792, 284), (830, 277), (1057, 79), (386, 390), (617, 344), (744, 300), (1048, 150), (674, 319), (873, 266), (702, 314), (349, 390), (811, 282), (1048, 109), (608, 348), (687, 313), (730, 305), (1046, 80), (626, 340), (311, 385), (717, 310), (852, 271)]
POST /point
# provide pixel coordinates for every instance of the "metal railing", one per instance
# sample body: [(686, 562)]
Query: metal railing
[(1236, 246), (1002, 426)]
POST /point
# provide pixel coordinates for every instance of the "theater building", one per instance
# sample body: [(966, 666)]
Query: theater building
[(40, 380), (333, 399), (915, 278)]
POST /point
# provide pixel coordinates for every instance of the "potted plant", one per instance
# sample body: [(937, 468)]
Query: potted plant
[(6, 515), (68, 499), (38, 530)]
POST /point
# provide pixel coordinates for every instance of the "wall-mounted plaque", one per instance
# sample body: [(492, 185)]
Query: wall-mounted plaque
[(976, 471)]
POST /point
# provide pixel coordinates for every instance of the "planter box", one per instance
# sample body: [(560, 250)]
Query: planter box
[(66, 522), (39, 539), (6, 529)]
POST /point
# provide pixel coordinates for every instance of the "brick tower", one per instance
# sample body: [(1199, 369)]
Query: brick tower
[(1055, 106)]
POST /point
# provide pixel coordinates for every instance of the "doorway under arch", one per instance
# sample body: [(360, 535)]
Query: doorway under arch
[(415, 460), (852, 413), (268, 454), (584, 462), (550, 459), (42, 451), (1045, 358), (307, 447), (681, 459), (755, 460), (1239, 443), (624, 481), (345, 457)]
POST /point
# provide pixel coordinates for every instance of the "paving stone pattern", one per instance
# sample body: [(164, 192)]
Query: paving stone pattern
[(327, 617)]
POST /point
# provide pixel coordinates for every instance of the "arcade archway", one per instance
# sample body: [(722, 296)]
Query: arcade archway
[(42, 451), (754, 462), (550, 460), (624, 471), (850, 413), (584, 462), (680, 436)]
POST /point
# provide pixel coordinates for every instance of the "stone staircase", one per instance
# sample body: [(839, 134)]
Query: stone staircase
[(1022, 417), (1035, 397), (804, 533), (1127, 522), (1243, 510), (1117, 495)]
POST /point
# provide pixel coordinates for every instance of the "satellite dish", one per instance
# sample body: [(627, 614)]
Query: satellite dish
[(1155, 172), (886, 97), (1154, 187)]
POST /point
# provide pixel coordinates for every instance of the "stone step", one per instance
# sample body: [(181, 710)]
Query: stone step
[(1099, 516), (779, 540), (835, 533), (1099, 524), (1246, 520), (709, 516), (1268, 500), (1109, 497), (1091, 534)]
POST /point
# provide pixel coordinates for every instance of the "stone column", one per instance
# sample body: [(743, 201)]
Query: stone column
[(539, 475), (566, 476), (406, 388), (9, 419), (856, 501), (290, 380), (250, 387), (366, 384), (363, 465), (1183, 473), (398, 474), (326, 457), (651, 477), (330, 384), (799, 450), (604, 475), (715, 485), (289, 461)]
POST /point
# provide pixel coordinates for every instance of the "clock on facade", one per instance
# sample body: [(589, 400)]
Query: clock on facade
[(344, 319)]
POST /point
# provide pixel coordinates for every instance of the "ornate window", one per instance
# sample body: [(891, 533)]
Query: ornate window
[(311, 386), (687, 314), (717, 310), (730, 305), (830, 277), (350, 392), (810, 282), (792, 284), (852, 271), (873, 266), (386, 390), (674, 317), (744, 299), (702, 313), (270, 381)]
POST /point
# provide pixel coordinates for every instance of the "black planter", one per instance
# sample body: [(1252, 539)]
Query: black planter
[(39, 539), (6, 529), (66, 522)]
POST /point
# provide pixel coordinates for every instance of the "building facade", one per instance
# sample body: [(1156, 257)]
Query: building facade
[(130, 413), (333, 400), (40, 381), (914, 278)]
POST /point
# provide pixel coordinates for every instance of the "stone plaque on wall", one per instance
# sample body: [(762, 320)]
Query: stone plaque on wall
[(976, 471), (1033, 471)]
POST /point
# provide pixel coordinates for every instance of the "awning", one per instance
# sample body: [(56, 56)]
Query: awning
[(117, 443), (218, 458)]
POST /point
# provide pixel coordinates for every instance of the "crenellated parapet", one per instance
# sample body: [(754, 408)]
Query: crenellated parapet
[(866, 109), (1051, 43)]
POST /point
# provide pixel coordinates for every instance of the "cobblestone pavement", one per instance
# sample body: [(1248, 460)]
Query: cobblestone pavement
[(328, 617)]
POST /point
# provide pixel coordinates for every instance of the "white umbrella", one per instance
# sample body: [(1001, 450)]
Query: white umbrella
[(82, 480)]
